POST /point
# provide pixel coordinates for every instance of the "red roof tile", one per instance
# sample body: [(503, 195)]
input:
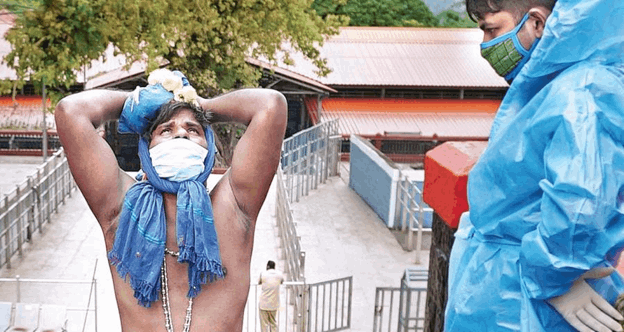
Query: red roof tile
[(411, 117), (24, 113)]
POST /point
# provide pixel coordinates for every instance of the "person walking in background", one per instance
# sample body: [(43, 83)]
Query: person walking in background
[(270, 280)]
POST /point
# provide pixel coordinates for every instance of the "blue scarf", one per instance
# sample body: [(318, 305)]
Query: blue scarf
[(139, 247)]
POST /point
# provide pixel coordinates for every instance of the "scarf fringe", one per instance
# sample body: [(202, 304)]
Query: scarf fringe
[(201, 272), (144, 292)]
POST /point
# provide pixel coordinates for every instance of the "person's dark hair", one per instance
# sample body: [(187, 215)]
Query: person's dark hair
[(270, 265), (167, 111), (478, 8)]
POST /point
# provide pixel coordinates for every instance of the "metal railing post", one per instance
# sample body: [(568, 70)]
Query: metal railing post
[(95, 304), (18, 222), (305, 302), (55, 186), (410, 208), (18, 216), (420, 229), (17, 285), (39, 186), (7, 240)]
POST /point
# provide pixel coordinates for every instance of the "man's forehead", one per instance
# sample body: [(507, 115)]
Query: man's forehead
[(184, 115), (501, 17)]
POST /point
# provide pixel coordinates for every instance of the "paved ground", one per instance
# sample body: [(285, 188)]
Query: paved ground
[(341, 235), (16, 169)]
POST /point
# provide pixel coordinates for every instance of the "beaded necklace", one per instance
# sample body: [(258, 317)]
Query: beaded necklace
[(165, 297)]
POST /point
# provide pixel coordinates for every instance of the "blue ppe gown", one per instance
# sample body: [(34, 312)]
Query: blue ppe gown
[(546, 196)]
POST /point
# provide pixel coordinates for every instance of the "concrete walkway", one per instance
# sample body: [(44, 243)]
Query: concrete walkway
[(14, 170), (341, 235), (68, 249)]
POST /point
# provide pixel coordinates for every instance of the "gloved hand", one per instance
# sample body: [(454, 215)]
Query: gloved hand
[(143, 104), (584, 308), (141, 107)]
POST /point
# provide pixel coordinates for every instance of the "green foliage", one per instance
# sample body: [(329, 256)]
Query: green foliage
[(391, 13), (388, 13), (453, 19), (207, 40), (19, 6), (53, 40)]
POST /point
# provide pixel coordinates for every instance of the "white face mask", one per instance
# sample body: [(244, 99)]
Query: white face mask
[(178, 159)]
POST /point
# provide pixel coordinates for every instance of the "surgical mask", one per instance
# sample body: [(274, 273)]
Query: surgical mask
[(506, 54), (178, 159)]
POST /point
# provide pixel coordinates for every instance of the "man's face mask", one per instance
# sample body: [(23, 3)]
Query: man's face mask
[(506, 54), (178, 159)]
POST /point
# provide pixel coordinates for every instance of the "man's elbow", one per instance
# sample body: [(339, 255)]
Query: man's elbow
[(65, 106), (62, 110), (277, 106)]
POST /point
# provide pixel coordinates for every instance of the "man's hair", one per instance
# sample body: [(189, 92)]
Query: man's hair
[(270, 265), (478, 8), (168, 110)]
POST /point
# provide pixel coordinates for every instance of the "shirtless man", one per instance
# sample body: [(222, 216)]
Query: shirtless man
[(236, 199)]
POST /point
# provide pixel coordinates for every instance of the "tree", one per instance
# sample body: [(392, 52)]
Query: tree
[(397, 13), (452, 19), (19, 6), (207, 40)]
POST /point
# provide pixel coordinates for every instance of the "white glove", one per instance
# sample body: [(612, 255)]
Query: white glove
[(585, 309)]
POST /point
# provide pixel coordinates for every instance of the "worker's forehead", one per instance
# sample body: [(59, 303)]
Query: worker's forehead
[(498, 19)]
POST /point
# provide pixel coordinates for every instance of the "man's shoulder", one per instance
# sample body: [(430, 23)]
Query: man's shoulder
[(274, 273), (590, 76)]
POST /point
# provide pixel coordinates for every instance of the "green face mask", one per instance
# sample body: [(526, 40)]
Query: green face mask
[(506, 54)]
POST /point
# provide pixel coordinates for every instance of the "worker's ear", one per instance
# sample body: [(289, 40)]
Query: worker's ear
[(537, 21)]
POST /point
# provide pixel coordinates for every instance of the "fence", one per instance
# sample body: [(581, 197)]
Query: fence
[(26, 142), (318, 307), (327, 298), (388, 309), (412, 212), (29, 206), (402, 309), (293, 255), (309, 157), (289, 319), (55, 291)]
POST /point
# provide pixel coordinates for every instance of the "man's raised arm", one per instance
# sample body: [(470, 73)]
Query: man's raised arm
[(257, 154), (91, 160)]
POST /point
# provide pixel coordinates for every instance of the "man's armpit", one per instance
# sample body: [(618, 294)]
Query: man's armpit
[(244, 220)]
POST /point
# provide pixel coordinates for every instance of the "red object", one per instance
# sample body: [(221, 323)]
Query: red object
[(446, 178)]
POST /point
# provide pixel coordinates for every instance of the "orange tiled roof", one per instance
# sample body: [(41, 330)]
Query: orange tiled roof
[(24, 113), (414, 117)]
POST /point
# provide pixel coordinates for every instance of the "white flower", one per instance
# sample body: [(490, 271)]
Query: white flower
[(186, 94), (157, 76), (169, 80), (172, 83)]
